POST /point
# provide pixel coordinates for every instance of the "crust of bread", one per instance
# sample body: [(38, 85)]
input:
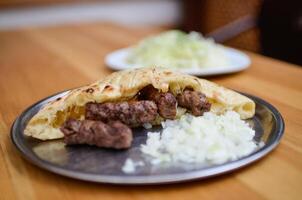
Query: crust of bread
[(124, 85)]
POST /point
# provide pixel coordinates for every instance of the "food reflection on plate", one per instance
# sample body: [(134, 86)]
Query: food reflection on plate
[(53, 151)]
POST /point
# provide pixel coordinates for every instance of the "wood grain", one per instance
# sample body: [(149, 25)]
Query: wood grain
[(35, 63)]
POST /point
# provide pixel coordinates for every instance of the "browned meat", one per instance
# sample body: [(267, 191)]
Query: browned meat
[(112, 135), (132, 113), (194, 101), (165, 102)]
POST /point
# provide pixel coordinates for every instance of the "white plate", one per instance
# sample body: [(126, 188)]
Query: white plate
[(239, 61)]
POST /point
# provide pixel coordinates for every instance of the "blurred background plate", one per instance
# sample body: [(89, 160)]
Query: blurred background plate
[(104, 165), (238, 62)]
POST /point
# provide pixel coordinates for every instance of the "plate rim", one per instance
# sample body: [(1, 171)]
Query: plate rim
[(203, 71), (143, 179)]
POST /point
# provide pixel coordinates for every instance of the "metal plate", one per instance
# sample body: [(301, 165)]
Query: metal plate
[(104, 165)]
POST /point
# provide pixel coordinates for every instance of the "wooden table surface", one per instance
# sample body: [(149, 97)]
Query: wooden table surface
[(35, 63)]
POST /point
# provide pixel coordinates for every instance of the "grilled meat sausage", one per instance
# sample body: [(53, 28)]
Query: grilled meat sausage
[(112, 135), (132, 113), (105, 124), (165, 102), (194, 101)]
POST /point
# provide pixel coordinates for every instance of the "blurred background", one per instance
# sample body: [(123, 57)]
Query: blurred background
[(269, 27)]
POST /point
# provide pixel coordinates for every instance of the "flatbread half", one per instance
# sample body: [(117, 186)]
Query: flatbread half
[(124, 85)]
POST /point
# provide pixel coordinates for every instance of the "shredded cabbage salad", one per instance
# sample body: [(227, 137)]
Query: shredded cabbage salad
[(178, 50)]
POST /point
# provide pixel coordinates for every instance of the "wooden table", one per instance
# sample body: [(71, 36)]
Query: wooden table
[(35, 63)]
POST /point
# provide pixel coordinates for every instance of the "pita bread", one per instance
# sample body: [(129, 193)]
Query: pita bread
[(124, 85)]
